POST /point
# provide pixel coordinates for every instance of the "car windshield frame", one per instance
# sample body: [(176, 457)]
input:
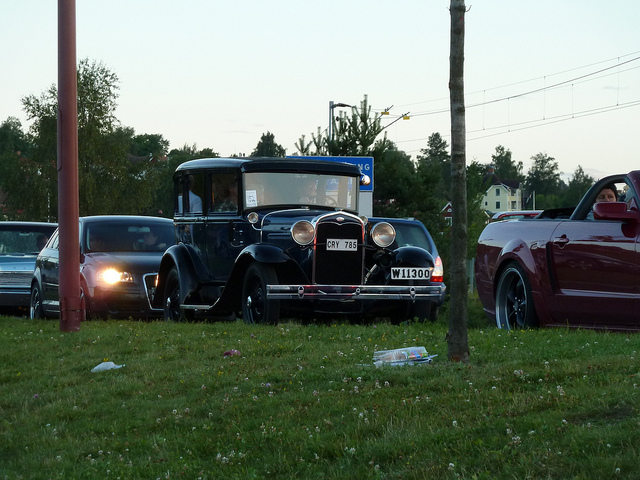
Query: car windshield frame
[(324, 190)]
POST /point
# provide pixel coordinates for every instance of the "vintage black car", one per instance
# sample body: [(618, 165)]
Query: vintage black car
[(263, 237), (119, 259)]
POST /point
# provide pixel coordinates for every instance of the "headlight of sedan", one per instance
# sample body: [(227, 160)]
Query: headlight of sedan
[(383, 234), (112, 276), (303, 232)]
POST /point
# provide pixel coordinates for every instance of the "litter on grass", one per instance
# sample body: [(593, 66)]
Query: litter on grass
[(105, 366), (402, 356)]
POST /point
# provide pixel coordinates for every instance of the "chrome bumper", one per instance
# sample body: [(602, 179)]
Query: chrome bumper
[(354, 292)]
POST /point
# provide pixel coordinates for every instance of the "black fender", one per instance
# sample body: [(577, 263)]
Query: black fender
[(412, 257), (192, 273), (286, 268)]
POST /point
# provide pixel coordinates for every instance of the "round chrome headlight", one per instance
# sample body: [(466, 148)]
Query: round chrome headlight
[(303, 232), (253, 218), (383, 234)]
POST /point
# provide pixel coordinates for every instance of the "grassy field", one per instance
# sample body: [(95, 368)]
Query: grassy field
[(304, 401)]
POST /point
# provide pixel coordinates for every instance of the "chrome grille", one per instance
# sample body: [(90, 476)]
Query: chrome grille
[(15, 279), (338, 267)]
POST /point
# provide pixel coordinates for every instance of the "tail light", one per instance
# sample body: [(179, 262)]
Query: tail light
[(438, 271)]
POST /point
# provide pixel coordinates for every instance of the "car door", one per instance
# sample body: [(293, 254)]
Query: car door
[(596, 281), (49, 274), (225, 227)]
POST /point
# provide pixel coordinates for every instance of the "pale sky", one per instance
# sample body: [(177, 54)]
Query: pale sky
[(219, 74)]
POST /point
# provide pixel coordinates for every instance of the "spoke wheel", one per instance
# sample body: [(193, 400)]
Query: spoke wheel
[(514, 305), (255, 306), (172, 309), (35, 310)]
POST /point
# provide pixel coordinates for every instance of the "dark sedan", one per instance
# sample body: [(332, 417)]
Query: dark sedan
[(119, 259), (20, 243), (412, 233)]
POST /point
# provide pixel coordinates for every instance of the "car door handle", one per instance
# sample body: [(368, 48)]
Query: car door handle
[(561, 241)]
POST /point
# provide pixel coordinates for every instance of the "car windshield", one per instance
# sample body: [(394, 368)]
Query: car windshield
[(23, 240), (128, 237), (277, 188)]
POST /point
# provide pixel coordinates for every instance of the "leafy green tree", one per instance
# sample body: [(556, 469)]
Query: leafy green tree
[(543, 177), (543, 180), (12, 137), (267, 147), (504, 166), (153, 146), (395, 183), (435, 160), (15, 145), (578, 185), (109, 182)]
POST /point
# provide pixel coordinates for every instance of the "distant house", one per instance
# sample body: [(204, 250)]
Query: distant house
[(502, 195), (447, 213)]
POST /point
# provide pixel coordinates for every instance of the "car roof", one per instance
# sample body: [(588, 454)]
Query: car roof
[(119, 218), (28, 224), (396, 220), (276, 164)]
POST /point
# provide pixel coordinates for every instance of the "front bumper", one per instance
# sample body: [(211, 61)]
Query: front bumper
[(15, 297), (356, 292)]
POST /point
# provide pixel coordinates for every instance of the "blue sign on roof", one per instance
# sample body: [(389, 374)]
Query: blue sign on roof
[(365, 164)]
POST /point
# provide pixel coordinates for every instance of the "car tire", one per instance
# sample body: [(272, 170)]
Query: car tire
[(36, 310), (514, 304), (255, 306), (171, 299)]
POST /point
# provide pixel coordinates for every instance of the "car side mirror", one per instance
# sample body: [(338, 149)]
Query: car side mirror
[(615, 211)]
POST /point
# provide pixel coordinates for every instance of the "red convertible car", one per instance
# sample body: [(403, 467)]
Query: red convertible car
[(571, 267)]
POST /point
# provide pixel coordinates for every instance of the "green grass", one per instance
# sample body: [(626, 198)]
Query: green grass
[(303, 401)]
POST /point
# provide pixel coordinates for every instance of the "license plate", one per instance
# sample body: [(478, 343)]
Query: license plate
[(410, 273), (342, 245)]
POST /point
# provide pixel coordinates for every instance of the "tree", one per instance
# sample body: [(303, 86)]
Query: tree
[(435, 160), (457, 338), (578, 186), (543, 180), (153, 146), (395, 183), (353, 135), (543, 177), (12, 137), (504, 166), (109, 182), (14, 146), (267, 147)]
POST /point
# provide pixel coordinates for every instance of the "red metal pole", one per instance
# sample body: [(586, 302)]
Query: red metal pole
[(71, 308)]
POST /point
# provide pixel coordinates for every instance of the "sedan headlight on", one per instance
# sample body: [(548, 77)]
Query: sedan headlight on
[(383, 234), (303, 232), (112, 276)]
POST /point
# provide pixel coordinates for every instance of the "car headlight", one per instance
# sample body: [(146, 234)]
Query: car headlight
[(112, 276), (303, 232), (383, 234)]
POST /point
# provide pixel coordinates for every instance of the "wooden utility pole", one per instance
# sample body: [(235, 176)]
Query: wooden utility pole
[(71, 308), (457, 338)]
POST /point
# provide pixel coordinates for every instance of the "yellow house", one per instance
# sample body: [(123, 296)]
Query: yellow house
[(503, 196)]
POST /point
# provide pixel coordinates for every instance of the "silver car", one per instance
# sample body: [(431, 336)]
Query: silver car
[(20, 243)]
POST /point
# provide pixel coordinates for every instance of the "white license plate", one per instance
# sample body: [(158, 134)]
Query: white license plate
[(342, 244), (410, 273)]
